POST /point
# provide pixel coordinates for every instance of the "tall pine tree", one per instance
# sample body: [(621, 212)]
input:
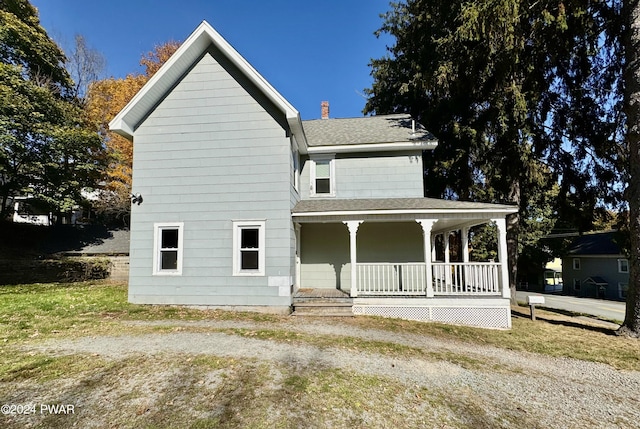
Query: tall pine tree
[(631, 325), (509, 88)]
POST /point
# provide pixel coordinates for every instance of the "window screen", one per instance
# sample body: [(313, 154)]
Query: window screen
[(323, 177)]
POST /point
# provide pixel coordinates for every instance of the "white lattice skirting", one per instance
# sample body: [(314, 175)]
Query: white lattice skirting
[(485, 317)]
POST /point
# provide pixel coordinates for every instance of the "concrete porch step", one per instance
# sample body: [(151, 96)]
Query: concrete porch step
[(323, 308), (322, 303)]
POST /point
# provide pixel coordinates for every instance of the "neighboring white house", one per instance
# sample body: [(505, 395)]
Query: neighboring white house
[(553, 276), (26, 212), (244, 203), (27, 209)]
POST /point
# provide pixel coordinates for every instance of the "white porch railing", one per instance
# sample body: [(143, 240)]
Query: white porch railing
[(406, 279), (391, 279), (471, 278)]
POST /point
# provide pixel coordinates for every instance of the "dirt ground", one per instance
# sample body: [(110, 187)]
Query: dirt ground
[(241, 374)]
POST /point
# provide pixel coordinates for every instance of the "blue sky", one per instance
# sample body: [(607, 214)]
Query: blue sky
[(309, 51)]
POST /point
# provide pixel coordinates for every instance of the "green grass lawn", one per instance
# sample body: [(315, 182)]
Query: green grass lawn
[(40, 311)]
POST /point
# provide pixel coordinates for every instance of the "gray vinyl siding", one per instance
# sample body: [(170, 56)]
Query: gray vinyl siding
[(294, 198), (592, 266), (325, 250), (212, 152), (373, 175)]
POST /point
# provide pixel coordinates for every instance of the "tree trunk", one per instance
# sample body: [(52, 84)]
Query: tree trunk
[(513, 229), (4, 210), (631, 14)]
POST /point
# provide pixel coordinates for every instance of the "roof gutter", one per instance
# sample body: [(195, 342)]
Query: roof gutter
[(375, 147)]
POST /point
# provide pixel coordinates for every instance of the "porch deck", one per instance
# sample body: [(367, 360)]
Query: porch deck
[(309, 293), (488, 311)]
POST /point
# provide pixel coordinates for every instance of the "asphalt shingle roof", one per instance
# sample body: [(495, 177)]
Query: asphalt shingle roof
[(87, 239), (603, 243), (368, 204), (365, 130)]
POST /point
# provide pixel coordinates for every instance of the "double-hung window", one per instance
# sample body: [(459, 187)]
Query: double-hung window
[(623, 288), (576, 264), (248, 248), (323, 177), (167, 256), (295, 165), (623, 265)]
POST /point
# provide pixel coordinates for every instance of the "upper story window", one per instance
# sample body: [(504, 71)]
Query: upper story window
[(248, 248), (295, 166), (623, 265), (323, 177), (576, 263), (167, 257)]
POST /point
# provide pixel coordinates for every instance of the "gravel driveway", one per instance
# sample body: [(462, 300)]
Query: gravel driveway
[(536, 390)]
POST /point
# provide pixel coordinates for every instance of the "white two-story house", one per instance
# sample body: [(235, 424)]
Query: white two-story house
[(243, 205)]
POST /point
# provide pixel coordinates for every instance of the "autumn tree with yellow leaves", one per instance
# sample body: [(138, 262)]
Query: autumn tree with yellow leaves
[(105, 99)]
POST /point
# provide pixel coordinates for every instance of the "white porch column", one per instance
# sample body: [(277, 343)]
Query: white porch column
[(427, 225), (503, 256), (465, 244), (433, 247), (447, 249), (447, 259), (297, 227), (353, 226)]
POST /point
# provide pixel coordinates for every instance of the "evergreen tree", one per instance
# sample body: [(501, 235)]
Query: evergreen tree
[(521, 95), (631, 325)]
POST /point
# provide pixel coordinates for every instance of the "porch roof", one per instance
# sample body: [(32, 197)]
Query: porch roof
[(449, 213), (413, 205)]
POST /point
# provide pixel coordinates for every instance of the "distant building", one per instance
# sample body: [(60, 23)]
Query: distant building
[(553, 276), (596, 267)]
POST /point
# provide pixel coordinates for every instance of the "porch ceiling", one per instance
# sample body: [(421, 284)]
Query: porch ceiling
[(450, 215)]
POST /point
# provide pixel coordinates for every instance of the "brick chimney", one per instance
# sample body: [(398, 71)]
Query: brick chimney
[(324, 106)]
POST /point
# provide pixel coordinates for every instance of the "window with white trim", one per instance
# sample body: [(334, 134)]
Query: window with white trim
[(295, 165), (576, 284), (323, 177), (167, 244), (248, 248), (576, 264), (623, 265), (623, 288)]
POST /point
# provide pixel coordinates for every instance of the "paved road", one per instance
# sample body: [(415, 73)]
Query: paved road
[(610, 310)]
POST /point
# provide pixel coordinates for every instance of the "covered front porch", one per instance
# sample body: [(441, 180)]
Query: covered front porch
[(406, 258)]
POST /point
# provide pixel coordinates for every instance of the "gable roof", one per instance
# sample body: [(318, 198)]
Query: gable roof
[(126, 122), (394, 132), (602, 243), (597, 280)]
